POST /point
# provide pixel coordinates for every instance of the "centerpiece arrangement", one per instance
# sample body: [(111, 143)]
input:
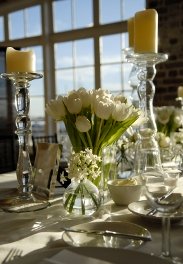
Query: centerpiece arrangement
[(93, 120)]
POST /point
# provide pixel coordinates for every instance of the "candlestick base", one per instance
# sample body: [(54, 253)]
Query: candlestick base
[(25, 201)]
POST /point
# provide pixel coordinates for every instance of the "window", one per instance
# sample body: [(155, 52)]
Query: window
[(72, 14), (25, 23), (1, 28), (117, 10), (36, 90), (76, 49), (74, 65)]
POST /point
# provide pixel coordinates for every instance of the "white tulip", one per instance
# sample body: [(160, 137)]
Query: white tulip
[(121, 111), (56, 108), (163, 114), (164, 142), (82, 124), (85, 97), (73, 102), (103, 108)]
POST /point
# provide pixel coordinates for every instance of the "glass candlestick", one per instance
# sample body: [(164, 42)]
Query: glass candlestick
[(146, 71), (25, 201)]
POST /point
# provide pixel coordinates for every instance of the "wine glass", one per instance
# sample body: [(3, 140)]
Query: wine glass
[(161, 190)]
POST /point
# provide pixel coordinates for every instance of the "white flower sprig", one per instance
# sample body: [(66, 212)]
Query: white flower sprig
[(84, 165)]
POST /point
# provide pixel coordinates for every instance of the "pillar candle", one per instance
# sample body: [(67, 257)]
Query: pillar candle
[(20, 61), (131, 32), (180, 91), (146, 31)]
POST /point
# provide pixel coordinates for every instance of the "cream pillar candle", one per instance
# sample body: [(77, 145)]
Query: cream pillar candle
[(20, 61), (146, 31), (180, 91), (131, 32)]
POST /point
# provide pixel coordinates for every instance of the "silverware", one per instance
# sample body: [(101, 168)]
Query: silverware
[(12, 254), (144, 237), (153, 211)]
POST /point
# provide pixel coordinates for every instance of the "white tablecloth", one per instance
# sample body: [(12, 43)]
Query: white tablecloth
[(40, 232)]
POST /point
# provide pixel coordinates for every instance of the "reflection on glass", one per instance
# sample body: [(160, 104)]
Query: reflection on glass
[(126, 68), (62, 15), (110, 11), (64, 81), (1, 28), (37, 89), (111, 78), (16, 25), (84, 77), (63, 55), (84, 53)]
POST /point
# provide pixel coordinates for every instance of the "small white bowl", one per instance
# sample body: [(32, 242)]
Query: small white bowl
[(123, 191)]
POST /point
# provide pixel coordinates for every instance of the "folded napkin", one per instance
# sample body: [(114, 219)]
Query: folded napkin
[(68, 257)]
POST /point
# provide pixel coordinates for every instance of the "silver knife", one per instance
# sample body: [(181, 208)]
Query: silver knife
[(146, 237)]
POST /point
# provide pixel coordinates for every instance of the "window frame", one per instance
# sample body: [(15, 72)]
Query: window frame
[(49, 38)]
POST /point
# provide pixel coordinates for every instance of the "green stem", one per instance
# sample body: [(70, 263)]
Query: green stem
[(98, 135), (97, 204), (89, 140)]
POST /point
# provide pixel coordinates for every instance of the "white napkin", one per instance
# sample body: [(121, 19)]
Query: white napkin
[(68, 257)]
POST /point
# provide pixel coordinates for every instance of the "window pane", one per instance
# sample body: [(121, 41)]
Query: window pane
[(84, 53), (16, 25), (109, 54), (83, 13), (1, 28), (64, 81), (33, 21), (37, 108), (62, 18), (110, 11), (84, 78), (63, 55), (37, 88), (111, 78), (130, 7)]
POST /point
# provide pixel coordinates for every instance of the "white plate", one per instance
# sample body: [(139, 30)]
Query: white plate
[(142, 208), (91, 240)]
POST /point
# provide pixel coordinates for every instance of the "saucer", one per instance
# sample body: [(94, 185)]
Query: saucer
[(142, 208)]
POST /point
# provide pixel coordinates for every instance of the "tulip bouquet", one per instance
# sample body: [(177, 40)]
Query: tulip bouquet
[(168, 119), (93, 119)]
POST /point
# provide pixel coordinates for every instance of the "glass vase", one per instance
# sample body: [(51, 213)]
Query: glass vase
[(81, 198)]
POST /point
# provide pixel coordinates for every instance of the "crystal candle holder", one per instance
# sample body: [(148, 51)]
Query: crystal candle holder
[(25, 201), (146, 71)]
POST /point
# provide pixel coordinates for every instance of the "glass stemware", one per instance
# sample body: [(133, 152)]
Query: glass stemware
[(164, 196)]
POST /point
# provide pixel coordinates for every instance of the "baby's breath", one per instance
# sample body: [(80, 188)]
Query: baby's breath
[(84, 165)]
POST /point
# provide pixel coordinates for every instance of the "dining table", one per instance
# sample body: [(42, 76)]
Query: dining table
[(39, 235)]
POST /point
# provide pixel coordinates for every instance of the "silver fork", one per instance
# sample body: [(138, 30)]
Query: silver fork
[(12, 254)]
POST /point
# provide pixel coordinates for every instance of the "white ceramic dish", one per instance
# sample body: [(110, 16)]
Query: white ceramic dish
[(82, 239), (124, 194), (94, 255), (142, 208)]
